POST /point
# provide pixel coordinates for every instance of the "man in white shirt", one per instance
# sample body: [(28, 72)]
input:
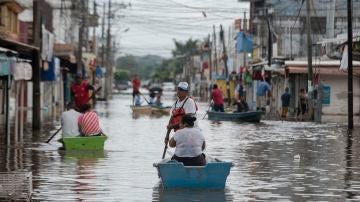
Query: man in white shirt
[(184, 105), (69, 121)]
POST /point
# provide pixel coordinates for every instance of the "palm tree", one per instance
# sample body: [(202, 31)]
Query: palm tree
[(183, 53), (185, 49)]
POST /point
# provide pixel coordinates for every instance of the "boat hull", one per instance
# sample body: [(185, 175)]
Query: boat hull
[(150, 110), (211, 176), (141, 109), (84, 143), (250, 116)]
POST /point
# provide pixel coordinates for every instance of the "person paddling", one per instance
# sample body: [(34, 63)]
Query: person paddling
[(80, 91), (189, 143), (184, 105), (217, 97)]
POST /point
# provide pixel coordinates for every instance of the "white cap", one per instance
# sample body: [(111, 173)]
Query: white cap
[(183, 86)]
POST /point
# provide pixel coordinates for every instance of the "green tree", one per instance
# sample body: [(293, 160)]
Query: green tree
[(121, 76), (183, 51), (126, 62), (190, 47)]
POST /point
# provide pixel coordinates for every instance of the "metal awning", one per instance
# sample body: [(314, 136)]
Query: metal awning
[(17, 46)]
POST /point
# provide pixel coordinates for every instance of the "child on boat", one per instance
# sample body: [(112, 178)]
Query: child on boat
[(158, 102), (189, 143), (89, 122)]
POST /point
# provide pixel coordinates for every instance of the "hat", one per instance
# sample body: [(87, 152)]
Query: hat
[(183, 86)]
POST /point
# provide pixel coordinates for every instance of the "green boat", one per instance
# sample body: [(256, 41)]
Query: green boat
[(84, 143), (250, 116)]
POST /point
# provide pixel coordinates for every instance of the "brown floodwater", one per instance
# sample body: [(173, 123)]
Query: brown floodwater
[(274, 160)]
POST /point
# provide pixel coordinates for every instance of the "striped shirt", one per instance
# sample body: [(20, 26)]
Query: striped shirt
[(89, 124)]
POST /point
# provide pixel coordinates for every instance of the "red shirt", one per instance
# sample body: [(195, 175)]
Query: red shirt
[(136, 84), (89, 124), (217, 97), (81, 93)]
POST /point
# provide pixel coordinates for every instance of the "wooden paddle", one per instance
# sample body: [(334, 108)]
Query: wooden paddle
[(53, 135), (166, 143), (167, 138), (210, 105), (144, 98), (93, 95)]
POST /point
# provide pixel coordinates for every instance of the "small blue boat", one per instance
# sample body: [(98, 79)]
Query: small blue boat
[(250, 116), (211, 176)]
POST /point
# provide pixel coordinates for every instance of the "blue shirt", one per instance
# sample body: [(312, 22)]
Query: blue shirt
[(285, 99), (262, 88), (240, 90)]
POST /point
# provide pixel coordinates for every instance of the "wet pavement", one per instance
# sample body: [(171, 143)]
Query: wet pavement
[(274, 160)]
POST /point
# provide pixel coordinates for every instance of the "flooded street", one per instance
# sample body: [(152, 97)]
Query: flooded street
[(274, 160)]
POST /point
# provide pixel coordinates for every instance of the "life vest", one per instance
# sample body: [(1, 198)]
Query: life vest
[(81, 93), (178, 113)]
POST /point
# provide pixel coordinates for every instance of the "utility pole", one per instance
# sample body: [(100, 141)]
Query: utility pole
[(94, 30), (103, 37), (244, 37), (309, 57), (215, 44), (36, 66), (350, 66), (94, 52), (309, 46), (269, 40), (225, 58), (86, 25), (210, 60), (291, 55), (81, 38), (108, 51)]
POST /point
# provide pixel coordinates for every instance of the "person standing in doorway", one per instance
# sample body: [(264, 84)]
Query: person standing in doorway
[(217, 97), (285, 102)]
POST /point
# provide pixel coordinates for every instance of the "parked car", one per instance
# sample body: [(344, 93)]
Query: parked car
[(122, 85)]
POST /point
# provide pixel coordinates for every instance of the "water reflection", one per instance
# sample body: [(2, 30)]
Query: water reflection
[(84, 185), (181, 195), (349, 172)]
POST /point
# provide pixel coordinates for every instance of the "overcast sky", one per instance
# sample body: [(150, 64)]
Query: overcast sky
[(153, 24)]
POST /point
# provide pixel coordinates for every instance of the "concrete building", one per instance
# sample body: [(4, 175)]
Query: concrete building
[(288, 24), (327, 71)]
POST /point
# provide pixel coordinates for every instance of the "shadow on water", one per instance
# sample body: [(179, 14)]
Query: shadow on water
[(182, 195)]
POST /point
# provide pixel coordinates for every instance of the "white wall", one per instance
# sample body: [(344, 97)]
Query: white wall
[(338, 95)]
